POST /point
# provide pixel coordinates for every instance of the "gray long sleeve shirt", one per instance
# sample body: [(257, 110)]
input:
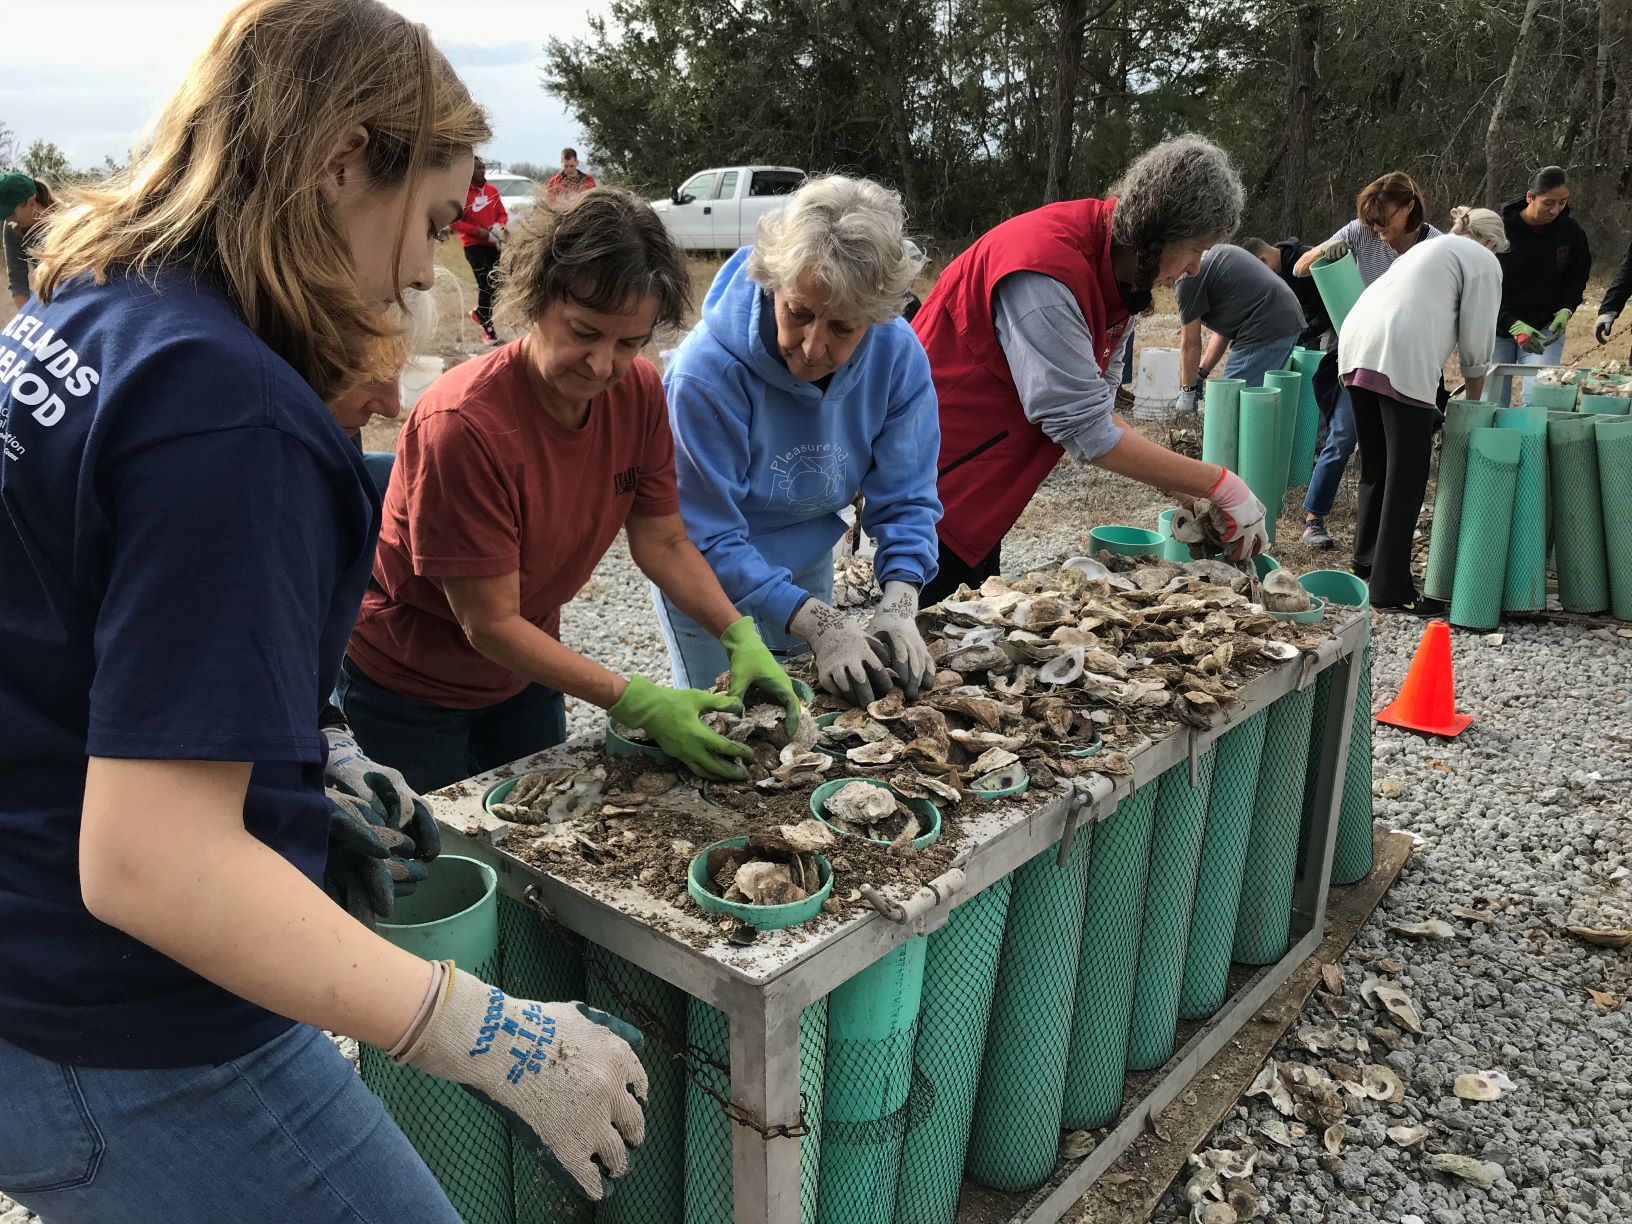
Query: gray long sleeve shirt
[(1051, 358)]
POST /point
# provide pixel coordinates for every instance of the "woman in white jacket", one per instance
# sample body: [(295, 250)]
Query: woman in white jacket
[(1437, 298)]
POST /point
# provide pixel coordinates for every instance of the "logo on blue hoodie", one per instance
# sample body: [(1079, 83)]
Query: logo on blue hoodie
[(810, 478)]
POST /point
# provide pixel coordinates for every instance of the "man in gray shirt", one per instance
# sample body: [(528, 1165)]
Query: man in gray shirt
[(1249, 310)]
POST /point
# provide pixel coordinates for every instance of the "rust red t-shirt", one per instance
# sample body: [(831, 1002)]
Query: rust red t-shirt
[(486, 484)]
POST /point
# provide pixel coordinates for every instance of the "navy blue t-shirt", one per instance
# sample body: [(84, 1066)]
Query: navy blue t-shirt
[(185, 536)]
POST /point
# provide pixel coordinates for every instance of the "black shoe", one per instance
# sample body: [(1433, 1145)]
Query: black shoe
[(1420, 605)]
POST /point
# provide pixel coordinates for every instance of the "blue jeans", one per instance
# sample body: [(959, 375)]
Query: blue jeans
[(379, 465), (1334, 457), (284, 1133), (435, 746), (1251, 364), (1508, 352), (696, 658)]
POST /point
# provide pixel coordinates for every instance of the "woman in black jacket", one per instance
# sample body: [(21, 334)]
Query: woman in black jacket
[(1615, 299), (1544, 277)]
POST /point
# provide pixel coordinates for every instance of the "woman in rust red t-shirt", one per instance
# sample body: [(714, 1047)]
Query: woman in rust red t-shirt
[(513, 477)]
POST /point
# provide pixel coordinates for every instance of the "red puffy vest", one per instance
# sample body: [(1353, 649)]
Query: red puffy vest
[(992, 458)]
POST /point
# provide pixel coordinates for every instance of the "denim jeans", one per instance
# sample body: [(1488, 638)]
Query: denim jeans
[(696, 658), (1508, 352), (1334, 457), (435, 746), (379, 465), (284, 1133), (1251, 364)]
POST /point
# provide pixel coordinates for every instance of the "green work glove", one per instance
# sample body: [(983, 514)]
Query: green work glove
[(1559, 320), (1526, 337), (673, 717), (755, 669)]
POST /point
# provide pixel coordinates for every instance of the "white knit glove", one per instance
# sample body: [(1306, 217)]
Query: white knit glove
[(896, 625), (848, 662), (563, 1076)]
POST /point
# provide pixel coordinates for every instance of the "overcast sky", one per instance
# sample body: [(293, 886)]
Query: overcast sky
[(89, 74)]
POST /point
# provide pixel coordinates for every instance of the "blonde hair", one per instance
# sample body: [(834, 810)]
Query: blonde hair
[(229, 179), (847, 234), (1480, 224)]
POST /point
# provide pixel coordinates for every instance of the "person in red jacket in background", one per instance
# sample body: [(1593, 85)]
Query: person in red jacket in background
[(1026, 333), (484, 212), (571, 180)]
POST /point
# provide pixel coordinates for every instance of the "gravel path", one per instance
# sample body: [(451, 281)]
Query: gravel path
[(1525, 816)]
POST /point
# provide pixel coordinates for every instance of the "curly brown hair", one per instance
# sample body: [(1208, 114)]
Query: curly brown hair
[(601, 248)]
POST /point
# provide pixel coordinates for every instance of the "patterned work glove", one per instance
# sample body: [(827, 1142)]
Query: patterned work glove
[(370, 864)]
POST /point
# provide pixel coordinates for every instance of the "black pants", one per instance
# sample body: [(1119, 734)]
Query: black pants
[(482, 260), (1396, 441), (953, 570)]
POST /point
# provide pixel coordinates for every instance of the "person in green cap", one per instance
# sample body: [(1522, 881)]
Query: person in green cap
[(23, 203)]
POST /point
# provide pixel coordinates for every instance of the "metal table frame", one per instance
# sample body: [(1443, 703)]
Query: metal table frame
[(763, 991)]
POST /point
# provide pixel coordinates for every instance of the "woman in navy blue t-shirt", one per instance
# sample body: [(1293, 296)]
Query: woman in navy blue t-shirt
[(185, 540)]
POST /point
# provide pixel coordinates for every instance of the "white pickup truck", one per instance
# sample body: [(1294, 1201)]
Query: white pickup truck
[(716, 210)]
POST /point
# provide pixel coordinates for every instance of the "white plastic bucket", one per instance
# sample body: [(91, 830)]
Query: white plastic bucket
[(1156, 384), (420, 372)]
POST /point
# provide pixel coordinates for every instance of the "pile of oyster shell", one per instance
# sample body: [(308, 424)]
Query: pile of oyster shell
[(780, 761), (1030, 670), (775, 867), (549, 796), (874, 812), (854, 585)]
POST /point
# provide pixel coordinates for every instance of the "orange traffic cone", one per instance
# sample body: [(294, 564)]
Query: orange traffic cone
[(1427, 700)]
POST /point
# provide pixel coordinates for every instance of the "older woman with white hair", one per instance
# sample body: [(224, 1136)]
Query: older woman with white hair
[(1437, 298), (801, 385)]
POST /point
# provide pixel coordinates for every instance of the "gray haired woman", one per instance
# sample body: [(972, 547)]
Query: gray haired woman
[(801, 385)]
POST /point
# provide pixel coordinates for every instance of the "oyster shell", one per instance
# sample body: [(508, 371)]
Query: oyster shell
[(992, 760), (1006, 778), (859, 803), (879, 752), (1284, 593), (910, 784), (979, 659), (1064, 670)]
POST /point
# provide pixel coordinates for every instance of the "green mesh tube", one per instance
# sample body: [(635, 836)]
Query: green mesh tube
[(654, 1189), (1306, 361), (1352, 855), (871, 1020), (1170, 902), (537, 963), (1525, 589), (1263, 465), (1340, 287), (1223, 855), (1615, 487), (1221, 421), (1461, 417), (1016, 1132), (1487, 519), (1107, 962), (960, 973), (1290, 383), (1551, 395), (1264, 916), (1609, 405), (452, 915), (1578, 514), (709, 1131)]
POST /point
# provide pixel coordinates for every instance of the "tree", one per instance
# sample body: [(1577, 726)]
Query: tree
[(44, 160), (8, 147), (1496, 135), (531, 170), (1073, 33), (1300, 126)]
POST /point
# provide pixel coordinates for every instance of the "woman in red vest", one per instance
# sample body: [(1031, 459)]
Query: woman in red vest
[(1024, 331)]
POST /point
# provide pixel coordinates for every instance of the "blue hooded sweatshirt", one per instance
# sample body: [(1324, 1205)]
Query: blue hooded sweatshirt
[(766, 462)]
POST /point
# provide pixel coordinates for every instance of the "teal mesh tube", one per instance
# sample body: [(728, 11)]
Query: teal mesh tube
[(538, 962), (1109, 957), (1264, 916), (1170, 902), (709, 1131), (1487, 519), (1525, 589), (654, 1189), (1016, 1132), (1290, 384), (453, 914), (1549, 395), (1578, 514), (1461, 418), (1263, 464), (1615, 488), (871, 1020), (1221, 421), (1223, 855), (1306, 362), (1352, 855), (960, 973)]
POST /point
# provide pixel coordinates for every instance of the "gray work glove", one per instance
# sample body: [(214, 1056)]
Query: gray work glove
[(369, 863), (563, 1076), (848, 662), (896, 625), (1602, 328), (1334, 250), (350, 770)]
